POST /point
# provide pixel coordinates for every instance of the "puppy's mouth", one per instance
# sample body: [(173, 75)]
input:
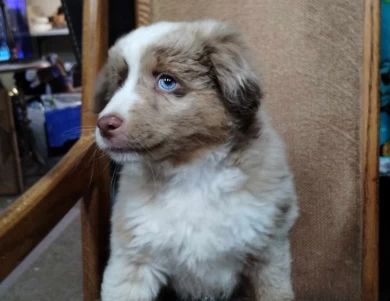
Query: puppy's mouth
[(134, 149), (120, 150)]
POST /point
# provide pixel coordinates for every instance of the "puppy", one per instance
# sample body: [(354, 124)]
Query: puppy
[(206, 198)]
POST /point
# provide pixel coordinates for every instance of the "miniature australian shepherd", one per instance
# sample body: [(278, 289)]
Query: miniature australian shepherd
[(206, 198)]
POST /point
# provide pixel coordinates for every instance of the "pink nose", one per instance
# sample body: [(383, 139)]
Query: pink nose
[(108, 124)]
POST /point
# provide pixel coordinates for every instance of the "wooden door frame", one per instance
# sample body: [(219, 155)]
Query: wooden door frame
[(370, 150)]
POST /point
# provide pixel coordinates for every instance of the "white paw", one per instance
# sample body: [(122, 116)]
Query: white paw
[(127, 292), (126, 282)]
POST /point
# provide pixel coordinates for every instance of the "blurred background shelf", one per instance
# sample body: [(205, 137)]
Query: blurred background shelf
[(51, 32)]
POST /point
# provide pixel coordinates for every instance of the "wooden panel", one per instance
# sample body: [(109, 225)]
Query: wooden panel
[(96, 204), (142, 12), (11, 181), (30, 218), (95, 45), (370, 152), (95, 214)]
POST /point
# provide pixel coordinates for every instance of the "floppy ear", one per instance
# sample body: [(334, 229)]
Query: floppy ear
[(101, 90), (110, 78), (235, 76)]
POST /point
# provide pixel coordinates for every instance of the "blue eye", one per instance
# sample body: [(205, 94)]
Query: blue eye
[(166, 82)]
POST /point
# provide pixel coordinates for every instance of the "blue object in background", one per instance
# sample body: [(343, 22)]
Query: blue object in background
[(384, 134), (63, 125), (385, 30), (385, 84)]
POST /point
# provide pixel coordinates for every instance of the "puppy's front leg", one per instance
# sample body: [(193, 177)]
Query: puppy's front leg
[(274, 277), (126, 280)]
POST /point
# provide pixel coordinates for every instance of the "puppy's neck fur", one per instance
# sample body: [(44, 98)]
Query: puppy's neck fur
[(163, 173)]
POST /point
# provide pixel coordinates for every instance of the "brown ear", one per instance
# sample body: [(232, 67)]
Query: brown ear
[(110, 78), (235, 76), (101, 90)]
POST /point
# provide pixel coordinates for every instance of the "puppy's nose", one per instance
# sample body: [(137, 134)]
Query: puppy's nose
[(108, 124)]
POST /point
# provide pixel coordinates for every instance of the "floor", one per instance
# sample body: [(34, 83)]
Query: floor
[(53, 271)]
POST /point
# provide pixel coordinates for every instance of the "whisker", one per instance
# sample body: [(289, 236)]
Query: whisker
[(78, 128), (93, 166), (92, 158), (112, 190), (145, 148), (154, 179), (85, 149), (197, 139), (108, 164)]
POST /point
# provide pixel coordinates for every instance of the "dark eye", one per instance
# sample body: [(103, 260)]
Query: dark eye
[(166, 82), (122, 75)]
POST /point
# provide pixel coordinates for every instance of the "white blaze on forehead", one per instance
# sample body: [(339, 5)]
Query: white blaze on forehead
[(132, 47)]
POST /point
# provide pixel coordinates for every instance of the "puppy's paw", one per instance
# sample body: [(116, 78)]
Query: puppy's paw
[(128, 282), (127, 292)]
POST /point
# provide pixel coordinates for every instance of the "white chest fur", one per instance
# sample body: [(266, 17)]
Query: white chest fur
[(202, 223)]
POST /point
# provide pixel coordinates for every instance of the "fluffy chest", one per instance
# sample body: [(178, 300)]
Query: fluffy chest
[(203, 215)]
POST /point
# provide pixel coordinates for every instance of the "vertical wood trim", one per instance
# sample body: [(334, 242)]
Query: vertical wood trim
[(143, 12), (95, 217), (17, 176), (16, 157), (95, 46), (96, 203), (370, 141)]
